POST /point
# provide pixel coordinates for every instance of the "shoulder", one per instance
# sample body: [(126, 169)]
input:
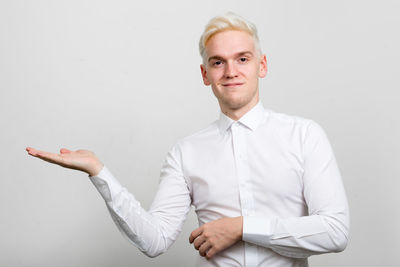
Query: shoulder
[(292, 127), (200, 137), (283, 120)]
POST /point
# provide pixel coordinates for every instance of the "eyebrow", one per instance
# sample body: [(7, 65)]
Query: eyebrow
[(216, 57)]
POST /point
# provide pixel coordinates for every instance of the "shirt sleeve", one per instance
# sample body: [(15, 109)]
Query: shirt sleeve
[(326, 227), (155, 230)]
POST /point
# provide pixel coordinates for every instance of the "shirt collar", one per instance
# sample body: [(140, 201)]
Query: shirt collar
[(252, 119)]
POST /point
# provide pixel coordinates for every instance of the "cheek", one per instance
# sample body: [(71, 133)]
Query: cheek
[(214, 76), (253, 73)]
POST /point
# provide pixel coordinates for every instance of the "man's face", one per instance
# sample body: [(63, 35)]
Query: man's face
[(232, 68)]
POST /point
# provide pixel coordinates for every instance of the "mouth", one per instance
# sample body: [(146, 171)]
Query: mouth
[(232, 85)]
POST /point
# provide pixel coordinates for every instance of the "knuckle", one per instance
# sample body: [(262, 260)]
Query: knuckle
[(217, 247), (209, 254), (192, 236), (201, 252)]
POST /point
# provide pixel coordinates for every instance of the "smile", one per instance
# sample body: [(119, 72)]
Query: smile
[(232, 85)]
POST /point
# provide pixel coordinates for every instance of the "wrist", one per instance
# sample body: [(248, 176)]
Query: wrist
[(95, 169), (239, 234)]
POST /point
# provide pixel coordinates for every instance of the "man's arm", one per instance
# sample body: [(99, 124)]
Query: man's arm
[(324, 230), (218, 235), (151, 231)]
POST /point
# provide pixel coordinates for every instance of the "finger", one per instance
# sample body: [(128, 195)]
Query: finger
[(32, 151), (198, 242), (50, 157), (204, 248), (195, 234), (211, 252), (64, 151)]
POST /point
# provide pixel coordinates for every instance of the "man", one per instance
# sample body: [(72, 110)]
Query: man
[(265, 186)]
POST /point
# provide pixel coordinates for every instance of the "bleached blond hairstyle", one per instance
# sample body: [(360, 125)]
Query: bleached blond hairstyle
[(229, 21)]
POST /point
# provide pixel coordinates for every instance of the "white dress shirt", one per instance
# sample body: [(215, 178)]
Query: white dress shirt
[(275, 170)]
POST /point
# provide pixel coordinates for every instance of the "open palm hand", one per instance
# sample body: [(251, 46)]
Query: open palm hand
[(82, 160)]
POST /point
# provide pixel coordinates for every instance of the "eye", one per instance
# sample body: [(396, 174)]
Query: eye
[(217, 63), (243, 59)]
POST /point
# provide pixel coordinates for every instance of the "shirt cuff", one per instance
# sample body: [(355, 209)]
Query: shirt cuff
[(106, 184), (257, 230)]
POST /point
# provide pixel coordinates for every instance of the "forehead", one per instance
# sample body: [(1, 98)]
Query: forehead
[(228, 43)]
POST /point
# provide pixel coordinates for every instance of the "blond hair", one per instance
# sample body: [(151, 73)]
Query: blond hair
[(229, 21)]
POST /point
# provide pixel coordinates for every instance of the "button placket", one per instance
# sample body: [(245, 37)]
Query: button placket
[(246, 196), (245, 193), (239, 167)]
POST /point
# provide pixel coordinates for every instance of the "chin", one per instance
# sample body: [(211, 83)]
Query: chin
[(234, 105)]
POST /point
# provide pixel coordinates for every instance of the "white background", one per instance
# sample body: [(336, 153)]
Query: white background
[(122, 78)]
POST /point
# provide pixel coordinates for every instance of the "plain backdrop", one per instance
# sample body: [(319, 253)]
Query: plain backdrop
[(122, 78)]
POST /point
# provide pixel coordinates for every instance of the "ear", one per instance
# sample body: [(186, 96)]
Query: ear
[(204, 75), (263, 67)]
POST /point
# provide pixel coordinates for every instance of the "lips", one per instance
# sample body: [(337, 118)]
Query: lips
[(232, 85)]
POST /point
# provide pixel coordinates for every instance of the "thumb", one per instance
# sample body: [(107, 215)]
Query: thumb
[(64, 151)]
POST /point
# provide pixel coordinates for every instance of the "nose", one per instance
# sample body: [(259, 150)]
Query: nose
[(230, 70)]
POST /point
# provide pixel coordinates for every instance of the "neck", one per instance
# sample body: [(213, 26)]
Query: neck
[(237, 113)]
